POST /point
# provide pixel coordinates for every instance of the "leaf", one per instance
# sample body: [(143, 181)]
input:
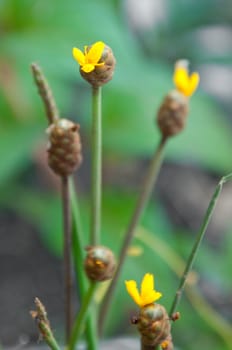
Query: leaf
[(16, 144)]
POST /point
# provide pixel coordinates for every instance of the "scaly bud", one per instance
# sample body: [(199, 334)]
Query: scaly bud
[(173, 113), (174, 109), (64, 150), (154, 326), (99, 263)]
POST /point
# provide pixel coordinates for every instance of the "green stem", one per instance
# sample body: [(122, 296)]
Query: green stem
[(78, 258), (143, 198), (149, 347), (96, 180), (67, 254), (198, 241), (49, 339), (79, 322)]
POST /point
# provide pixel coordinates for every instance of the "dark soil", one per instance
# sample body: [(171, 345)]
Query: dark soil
[(26, 270)]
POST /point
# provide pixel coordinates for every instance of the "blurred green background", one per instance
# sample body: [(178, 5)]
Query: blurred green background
[(146, 37)]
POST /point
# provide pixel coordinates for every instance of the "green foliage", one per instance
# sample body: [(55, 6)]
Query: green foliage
[(140, 82)]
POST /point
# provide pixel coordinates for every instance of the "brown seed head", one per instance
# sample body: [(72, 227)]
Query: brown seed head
[(173, 113), (64, 150), (99, 263), (153, 325), (101, 74)]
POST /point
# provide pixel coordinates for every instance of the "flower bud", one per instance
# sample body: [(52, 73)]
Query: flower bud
[(173, 113), (101, 73), (64, 150), (99, 263), (154, 326)]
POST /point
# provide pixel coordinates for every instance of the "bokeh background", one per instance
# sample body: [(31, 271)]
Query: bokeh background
[(146, 37)]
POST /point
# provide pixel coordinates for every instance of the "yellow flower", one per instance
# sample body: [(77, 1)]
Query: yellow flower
[(184, 82), (89, 59), (147, 293)]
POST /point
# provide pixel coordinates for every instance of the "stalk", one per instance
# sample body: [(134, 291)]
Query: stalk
[(148, 185), (198, 241), (96, 180), (79, 322), (67, 253), (78, 258)]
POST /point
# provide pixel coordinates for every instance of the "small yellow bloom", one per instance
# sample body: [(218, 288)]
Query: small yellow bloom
[(184, 82), (89, 59), (147, 293)]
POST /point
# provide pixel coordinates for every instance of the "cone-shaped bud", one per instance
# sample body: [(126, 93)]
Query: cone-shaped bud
[(173, 113), (99, 263), (103, 72), (154, 326), (64, 150)]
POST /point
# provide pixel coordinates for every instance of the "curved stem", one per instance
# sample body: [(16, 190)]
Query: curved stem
[(96, 180), (198, 241), (143, 198), (79, 322)]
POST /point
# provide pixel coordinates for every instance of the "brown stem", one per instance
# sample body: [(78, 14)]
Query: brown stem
[(143, 198), (67, 254), (45, 93)]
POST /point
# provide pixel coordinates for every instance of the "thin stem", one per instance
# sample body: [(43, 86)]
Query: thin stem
[(49, 339), (79, 322), (67, 254), (45, 93), (78, 258), (143, 198), (198, 241), (96, 180)]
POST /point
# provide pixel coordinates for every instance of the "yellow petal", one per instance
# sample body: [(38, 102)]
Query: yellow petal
[(193, 83), (87, 68), (150, 298), (148, 293), (181, 79), (147, 284), (132, 289), (78, 56), (95, 52)]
